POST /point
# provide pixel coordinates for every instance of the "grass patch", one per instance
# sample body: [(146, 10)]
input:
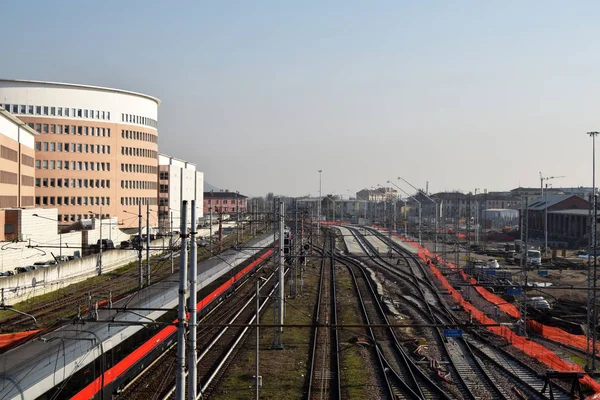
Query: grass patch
[(284, 371)]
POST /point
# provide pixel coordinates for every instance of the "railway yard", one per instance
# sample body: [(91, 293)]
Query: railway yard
[(370, 315)]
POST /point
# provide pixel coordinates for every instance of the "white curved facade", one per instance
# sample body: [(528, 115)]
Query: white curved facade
[(97, 147)]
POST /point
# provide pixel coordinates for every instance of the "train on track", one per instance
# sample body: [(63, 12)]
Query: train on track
[(96, 360)]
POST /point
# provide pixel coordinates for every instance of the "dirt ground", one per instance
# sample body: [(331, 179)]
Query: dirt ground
[(568, 284)]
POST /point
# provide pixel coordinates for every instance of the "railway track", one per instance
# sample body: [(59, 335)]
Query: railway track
[(324, 374), (476, 361), (402, 377)]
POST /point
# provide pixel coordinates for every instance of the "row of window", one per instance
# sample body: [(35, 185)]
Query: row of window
[(72, 147), (22, 109), (78, 217), (136, 201), (137, 152), (135, 135), (72, 165), (71, 130), (10, 178), (72, 201), (139, 168), (13, 201), (138, 119), (148, 185), (164, 176), (224, 201), (72, 183), (9, 154)]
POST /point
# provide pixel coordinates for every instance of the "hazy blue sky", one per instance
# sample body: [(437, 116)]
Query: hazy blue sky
[(261, 94)]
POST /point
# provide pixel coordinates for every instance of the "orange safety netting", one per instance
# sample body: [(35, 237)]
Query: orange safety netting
[(529, 347), (8, 339)]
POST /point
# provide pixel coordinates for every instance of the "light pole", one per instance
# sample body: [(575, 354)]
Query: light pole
[(319, 207), (257, 380), (59, 234), (436, 210), (594, 229), (418, 202)]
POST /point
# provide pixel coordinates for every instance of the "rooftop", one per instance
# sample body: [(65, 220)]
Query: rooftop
[(223, 195), (17, 121), (541, 203), (79, 86)]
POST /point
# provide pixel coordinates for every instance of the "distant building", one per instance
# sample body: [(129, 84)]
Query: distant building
[(225, 202), (377, 195), (568, 217), (178, 180), (534, 193), (17, 168), (456, 204)]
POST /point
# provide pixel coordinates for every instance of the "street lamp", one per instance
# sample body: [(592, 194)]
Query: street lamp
[(319, 207), (436, 209), (418, 202), (594, 317), (59, 234)]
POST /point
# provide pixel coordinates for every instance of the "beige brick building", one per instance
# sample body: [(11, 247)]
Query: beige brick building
[(17, 173), (96, 151)]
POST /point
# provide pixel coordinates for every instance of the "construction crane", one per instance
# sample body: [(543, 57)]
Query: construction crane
[(542, 179)]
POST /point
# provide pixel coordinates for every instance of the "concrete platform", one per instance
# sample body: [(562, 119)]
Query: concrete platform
[(405, 246), (350, 241)]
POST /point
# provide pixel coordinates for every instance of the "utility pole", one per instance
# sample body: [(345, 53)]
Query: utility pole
[(172, 244), (147, 244), (525, 244), (277, 345), (293, 249), (319, 207), (210, 238), (468, 222), (193, 356), (100, 254), (181, 323), (592, 314), (140, 247)]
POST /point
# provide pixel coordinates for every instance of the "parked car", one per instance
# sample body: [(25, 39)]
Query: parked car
[(20, 270), (40, 264), (107, 244), (125, 244), (492, 263), (6, 273)]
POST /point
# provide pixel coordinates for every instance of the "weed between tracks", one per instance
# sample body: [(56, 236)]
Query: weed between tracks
[(284, 372), (356, 380)]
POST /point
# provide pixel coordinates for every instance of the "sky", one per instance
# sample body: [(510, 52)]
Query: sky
[(263, 94)]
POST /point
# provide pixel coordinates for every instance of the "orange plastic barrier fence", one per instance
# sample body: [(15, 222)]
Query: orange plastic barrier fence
[(8, 339), (529, 347)]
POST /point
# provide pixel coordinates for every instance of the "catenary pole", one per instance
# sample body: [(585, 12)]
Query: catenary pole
[(140, 247), (193, 356), (147, 244), (180, 379)]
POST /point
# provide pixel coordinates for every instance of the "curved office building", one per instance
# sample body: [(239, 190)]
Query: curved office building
[(97, 148)]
